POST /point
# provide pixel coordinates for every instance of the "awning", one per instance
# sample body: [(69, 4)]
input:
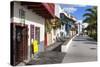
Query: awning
[(43, 9)]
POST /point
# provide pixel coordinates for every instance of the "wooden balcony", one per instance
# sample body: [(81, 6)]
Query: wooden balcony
[(43, 9), (65, 17)]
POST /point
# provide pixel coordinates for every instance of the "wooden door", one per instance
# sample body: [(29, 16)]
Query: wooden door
[(25, 42), (19, 41), (19, 44)]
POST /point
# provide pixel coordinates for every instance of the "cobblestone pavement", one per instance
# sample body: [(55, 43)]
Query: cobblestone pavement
[(82, 49), (50, 57)]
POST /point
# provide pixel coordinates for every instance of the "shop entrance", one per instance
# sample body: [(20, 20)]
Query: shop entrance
[(19, 43), (35, 37)]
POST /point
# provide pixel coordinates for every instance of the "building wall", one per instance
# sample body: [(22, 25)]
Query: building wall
[(49, 39), (58, 10), (57, 33), (63, 29), (30, 19), (54, 32)]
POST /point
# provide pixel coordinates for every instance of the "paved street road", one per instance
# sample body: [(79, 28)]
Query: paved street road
[(82, 49)]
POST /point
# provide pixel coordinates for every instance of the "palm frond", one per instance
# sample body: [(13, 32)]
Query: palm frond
[(87, 20), (93, 12), (88, 15)]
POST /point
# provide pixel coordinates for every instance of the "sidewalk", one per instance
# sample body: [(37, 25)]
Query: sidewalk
[(52, 55), (82, 49), (49, 57)]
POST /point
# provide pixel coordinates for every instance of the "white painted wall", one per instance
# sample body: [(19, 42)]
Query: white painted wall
[(49, 39), (57, 33), (30, 18), (53, 35), (58, 10), (63, 29)]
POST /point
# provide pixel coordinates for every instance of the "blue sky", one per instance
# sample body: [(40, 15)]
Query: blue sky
[(75, 10)]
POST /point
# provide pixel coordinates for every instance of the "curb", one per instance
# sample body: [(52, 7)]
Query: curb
[(64, 48)]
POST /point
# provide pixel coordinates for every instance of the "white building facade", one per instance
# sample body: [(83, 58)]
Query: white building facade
[(31, 19)]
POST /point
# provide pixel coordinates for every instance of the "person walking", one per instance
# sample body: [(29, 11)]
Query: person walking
[(35, 49)]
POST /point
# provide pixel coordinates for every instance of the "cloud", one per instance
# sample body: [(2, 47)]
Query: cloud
[(70, 9)]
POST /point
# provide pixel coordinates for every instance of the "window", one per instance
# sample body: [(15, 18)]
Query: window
[(22, 15)]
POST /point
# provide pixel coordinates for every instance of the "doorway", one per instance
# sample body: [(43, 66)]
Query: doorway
[(19, 43), (34, 35)]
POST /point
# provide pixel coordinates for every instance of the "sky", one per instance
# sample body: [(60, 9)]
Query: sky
[(75, 10)]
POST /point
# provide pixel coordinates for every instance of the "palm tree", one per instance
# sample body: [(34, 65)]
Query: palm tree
[(91, 18)]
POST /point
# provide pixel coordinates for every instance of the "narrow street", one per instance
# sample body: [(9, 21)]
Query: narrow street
[(48, 33), (82, 49)]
